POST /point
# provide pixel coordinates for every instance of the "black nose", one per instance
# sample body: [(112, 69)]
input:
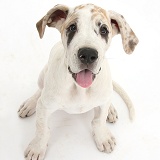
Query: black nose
[(87, 55)]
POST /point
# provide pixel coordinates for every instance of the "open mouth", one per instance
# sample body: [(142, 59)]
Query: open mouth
[(84, 78)]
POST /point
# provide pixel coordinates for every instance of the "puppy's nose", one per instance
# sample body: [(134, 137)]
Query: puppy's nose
[(87, 55)]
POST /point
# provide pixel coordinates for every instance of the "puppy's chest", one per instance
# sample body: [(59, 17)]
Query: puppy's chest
[(82, 101)]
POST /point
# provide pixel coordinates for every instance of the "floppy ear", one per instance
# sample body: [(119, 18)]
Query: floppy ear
[(119, 25), (54, 18)]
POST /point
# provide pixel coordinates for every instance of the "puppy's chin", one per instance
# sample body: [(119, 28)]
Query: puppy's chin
[(83, 78)]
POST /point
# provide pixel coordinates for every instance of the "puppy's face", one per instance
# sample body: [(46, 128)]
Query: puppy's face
[(86, 35), (86, 32)]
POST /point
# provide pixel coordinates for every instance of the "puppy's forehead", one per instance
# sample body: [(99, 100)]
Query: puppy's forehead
[(90, 10), (86, 13)]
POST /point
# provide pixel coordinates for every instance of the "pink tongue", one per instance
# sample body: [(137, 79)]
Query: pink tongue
[(84, 78)]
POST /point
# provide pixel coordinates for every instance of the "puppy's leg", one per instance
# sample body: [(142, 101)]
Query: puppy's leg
[(103, 138), (29, 106), (112, 114), (37, 148)]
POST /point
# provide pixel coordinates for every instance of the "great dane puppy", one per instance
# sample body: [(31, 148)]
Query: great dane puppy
[(77, 78)]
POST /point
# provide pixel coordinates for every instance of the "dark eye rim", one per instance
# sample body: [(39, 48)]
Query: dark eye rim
[(103, 30), (72, 28)]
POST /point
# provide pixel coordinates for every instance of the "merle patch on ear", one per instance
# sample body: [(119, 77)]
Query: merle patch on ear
[(119, 25), (54, 18)]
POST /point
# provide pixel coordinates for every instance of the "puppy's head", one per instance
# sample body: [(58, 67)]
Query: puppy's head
[(86, 32)]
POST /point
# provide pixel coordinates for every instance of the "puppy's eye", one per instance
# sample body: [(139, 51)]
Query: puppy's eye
[(103, 30), (72, 28)]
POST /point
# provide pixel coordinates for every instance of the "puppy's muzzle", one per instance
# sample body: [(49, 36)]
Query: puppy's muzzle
[(87, 55)]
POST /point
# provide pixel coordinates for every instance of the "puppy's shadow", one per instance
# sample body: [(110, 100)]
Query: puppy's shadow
[(68, 127)]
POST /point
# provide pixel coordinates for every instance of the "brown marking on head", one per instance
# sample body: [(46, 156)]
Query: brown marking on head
[(72, 18), (103, 12), (93, 10), (96, 8), (98, 14), (99, 11), (79, 7)]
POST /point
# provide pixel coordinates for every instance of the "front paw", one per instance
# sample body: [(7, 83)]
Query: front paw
[(105, 141), (36, 149), (27, 108)]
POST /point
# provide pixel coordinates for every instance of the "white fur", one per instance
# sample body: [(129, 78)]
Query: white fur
[(59, 91)]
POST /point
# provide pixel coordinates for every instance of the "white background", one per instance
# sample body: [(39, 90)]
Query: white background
[(23, 55)]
